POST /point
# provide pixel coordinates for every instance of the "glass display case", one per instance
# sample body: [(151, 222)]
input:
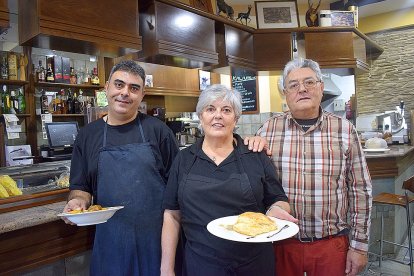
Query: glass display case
[(40, 184)]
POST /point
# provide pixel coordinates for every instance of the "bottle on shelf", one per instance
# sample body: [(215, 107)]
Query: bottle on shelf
[(76, 104), (44, 103), (14, 104), (41, 75), (38, 107), (81, 101), (95, 78), (4, 68), (12, 60), (57, 109), (5, 101), (87, 77), (21, 101), (73, 78), (63, 98), (80, 76), (50, 76), (69, 103)]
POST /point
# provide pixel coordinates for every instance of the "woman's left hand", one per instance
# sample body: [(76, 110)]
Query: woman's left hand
[(280, 213)]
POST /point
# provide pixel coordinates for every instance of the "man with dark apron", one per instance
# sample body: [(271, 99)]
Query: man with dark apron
[(123, 160)]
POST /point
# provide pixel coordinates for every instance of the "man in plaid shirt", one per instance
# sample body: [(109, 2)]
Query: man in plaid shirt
[(319, 160)]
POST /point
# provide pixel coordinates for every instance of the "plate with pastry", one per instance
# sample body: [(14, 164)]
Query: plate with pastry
[(252, 227), (95, 214)]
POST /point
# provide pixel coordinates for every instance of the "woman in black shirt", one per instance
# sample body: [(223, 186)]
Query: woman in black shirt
[(217, 177)]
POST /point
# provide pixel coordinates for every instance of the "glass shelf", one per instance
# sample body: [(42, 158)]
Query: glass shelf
[(67, 85)]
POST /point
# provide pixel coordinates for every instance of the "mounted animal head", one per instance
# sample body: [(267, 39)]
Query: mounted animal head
[(313, 10), (312, 14)]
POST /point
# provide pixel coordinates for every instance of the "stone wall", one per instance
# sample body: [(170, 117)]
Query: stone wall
[(391, 78)]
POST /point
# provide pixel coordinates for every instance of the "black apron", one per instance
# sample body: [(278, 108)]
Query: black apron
[(203, 199), (130, 242)]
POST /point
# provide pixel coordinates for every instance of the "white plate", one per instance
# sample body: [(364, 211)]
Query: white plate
[(91, 218), (216, 228), (376, 150)]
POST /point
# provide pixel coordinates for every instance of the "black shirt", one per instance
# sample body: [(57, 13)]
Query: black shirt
[(264, 184), (259, 168), (84, 165)]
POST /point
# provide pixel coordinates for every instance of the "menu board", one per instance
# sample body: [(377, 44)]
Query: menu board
[(244, 80)]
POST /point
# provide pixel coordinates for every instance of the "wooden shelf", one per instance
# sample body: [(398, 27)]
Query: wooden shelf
[(67, 85), (13, 82), (65, 115), (161, 91)]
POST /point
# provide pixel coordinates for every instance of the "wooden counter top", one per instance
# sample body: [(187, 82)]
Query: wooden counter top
[(390, 163), (33, 237), (395, 151), (25, 218)]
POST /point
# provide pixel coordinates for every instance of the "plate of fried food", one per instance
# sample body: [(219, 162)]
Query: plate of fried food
[(252, 227), (95, 214)]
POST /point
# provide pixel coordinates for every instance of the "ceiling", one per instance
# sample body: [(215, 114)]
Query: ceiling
[(364, 11)]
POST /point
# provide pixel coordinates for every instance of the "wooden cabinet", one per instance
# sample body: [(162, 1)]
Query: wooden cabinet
[(4, 16), (235, 46), (340, 47), (174, 36), (32, 247), (337, 47), (272, 49), (103, 28)]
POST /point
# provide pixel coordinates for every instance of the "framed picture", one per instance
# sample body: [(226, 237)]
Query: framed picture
[(276, 14), (204, 79), (343, 18), (149, 81)]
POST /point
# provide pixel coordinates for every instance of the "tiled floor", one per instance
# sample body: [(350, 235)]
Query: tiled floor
[(388, 268)]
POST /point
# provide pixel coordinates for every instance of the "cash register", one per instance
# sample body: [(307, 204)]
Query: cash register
[(61, 138)]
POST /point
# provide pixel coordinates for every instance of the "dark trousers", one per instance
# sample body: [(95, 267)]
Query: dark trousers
[(196, 265)]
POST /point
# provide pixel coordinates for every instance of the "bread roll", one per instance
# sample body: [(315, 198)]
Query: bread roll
[(253, 224)]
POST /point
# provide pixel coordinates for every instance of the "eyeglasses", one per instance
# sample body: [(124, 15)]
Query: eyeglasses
[(295, 85)]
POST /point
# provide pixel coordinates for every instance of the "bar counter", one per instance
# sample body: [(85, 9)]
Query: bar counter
[(388, 170), (33, 237), (392, 163)]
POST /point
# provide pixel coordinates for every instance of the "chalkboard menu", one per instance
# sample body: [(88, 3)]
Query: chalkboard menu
[(244, 80)]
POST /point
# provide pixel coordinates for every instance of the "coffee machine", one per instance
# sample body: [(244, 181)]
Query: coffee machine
[(395, 120)]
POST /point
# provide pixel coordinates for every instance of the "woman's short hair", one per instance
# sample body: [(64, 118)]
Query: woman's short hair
[(301, 63), (129, 66), (219, 92)]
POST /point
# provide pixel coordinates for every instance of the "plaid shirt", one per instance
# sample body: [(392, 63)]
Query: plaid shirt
[(324, 174)]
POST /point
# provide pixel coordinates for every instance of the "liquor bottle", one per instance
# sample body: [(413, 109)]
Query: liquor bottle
[(87, 77), (58, 104), (44, 103), (41, 76), (50, 76), (12, 60), (76, 104), (4, 68), (5, 100), (38, 107), (63, 99), (73, 79), (22, 102), (81, 101), (14, 104), (80, 76), (69, 103), (95, 78)]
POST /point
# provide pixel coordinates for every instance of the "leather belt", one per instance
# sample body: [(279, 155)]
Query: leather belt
[(344, 232)]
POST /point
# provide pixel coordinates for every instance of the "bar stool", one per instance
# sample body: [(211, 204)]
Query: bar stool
[(403, 201)]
